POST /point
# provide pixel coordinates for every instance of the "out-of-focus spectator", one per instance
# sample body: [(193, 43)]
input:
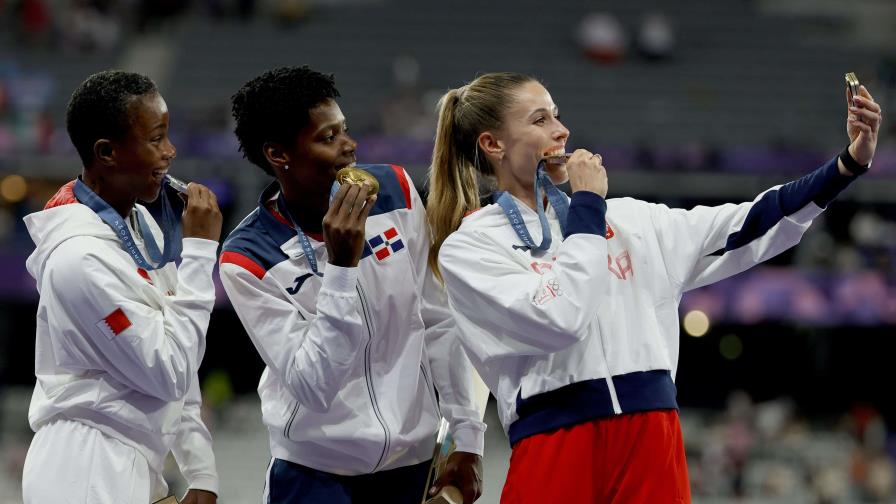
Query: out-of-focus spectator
[(739, 437), (91, 25), (44, 131), (34, 21), (404, 113), (602, 37), (656, 37)]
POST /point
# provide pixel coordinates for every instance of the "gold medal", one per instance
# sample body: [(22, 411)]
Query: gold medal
[(352, 175), (852, 84)]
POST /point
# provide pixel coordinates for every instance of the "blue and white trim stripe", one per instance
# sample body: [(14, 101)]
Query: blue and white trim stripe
[(589, 400), (819, 187)]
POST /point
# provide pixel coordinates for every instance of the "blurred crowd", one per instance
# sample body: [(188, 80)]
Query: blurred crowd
[(769, 452), (83, 26)]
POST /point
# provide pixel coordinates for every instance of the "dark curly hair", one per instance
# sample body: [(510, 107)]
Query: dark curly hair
[(274, 106), (99, 108)]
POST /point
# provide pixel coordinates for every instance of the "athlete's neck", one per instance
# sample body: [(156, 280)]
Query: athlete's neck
[(123, 204), (307, 209), (526, 195)]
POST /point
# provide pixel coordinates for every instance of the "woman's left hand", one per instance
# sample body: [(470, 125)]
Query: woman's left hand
[(464, 471), (199, 497), (862, 124)]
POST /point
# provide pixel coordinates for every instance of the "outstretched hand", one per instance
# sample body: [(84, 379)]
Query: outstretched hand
[(862, 124)]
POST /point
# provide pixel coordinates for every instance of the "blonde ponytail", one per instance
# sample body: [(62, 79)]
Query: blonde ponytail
[(453, 187), (464, 113)]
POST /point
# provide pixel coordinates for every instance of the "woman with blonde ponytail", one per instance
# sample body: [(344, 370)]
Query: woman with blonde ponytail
[(568, 306)]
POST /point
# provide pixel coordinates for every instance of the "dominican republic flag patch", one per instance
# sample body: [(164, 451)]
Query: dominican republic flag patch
[(385, 244), (114, 323)]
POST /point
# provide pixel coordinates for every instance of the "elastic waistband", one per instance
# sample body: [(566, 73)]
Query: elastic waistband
[(583, 401)]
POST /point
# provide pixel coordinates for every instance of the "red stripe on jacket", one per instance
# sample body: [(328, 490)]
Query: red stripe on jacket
[(403, 180), (243, 262)]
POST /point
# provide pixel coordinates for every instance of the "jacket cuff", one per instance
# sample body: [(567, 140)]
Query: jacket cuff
[(470, 438), (587, 214), (339, 280), (205, 482), (200, 248)]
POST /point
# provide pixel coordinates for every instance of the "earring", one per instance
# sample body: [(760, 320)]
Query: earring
[(285, 167)]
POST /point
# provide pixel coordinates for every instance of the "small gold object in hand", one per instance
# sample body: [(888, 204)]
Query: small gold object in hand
[(352, 175)]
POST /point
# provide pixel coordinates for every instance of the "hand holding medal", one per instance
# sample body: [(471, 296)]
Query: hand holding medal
[(344, 223)]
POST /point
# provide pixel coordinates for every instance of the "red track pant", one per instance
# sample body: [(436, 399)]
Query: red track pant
[(626, 459)]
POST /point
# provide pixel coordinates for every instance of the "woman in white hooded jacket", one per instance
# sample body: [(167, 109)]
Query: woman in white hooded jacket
[(568, 307)]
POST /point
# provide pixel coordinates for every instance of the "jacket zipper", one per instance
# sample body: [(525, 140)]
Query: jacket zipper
[(368, 374)]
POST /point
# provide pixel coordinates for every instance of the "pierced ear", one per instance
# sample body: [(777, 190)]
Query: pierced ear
[(276, 155), (104, 152), (490, 145)]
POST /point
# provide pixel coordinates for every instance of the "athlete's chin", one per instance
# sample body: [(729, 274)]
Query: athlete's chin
[(557, 173), (150, 194)]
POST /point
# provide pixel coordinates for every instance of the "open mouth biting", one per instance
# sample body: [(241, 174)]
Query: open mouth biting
[(556, 155)]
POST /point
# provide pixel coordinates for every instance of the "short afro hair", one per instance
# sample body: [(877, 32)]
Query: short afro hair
[(274, 106), (99, 108)]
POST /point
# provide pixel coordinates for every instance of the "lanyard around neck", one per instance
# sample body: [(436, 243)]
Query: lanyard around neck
[(307, 249), (557, 200), (170, 228)]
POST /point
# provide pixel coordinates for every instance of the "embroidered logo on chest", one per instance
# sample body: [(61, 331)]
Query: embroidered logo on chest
[(386, 244), (299, 281)]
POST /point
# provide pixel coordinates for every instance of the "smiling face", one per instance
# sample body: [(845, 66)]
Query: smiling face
[(530, 130), (321, 148), (143, 155)]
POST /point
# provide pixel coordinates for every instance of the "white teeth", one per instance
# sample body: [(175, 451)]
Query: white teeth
[(555, 152)]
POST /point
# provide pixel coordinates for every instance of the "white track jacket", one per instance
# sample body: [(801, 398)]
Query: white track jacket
[(589, 328), (355, 357), (117, 347)]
